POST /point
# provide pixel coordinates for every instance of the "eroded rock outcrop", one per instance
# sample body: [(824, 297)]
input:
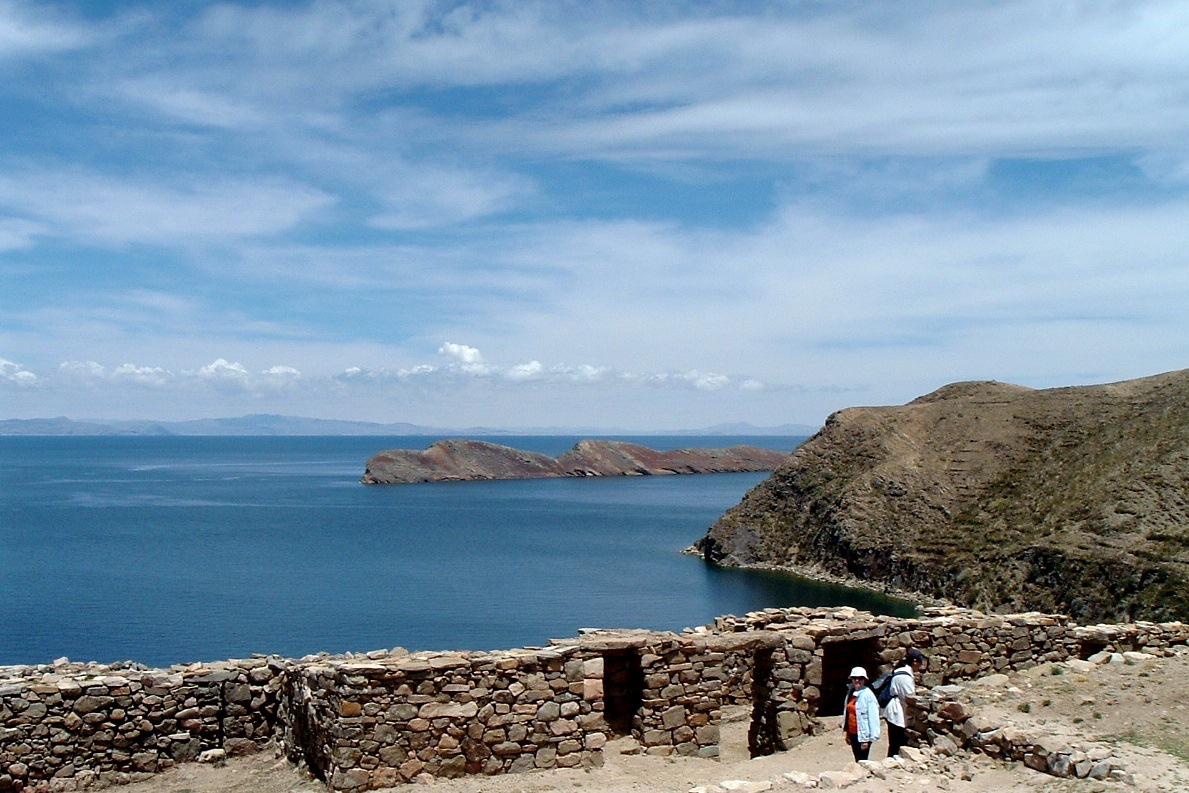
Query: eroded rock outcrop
[(468, 460), (991, 495)]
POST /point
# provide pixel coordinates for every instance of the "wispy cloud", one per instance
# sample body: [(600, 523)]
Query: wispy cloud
[(16, 233), (27, 30), (94, 207), (682, 206)]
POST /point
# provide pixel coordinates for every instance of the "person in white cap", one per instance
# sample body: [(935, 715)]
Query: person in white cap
[(860, 716)]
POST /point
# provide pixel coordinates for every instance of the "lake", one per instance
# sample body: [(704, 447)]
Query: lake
[(174, 549)]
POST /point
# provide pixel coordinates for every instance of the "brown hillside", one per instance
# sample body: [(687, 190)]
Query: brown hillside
[(991, 495)]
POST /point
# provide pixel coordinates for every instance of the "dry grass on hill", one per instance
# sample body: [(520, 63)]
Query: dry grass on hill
[(1001, 498)]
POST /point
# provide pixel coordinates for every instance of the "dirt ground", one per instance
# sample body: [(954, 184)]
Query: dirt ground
[(1140, 709)]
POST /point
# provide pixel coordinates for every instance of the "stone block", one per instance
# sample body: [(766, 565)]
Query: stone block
[(352, 779), (673, 717), (450, 710), (744, 786), (836, 780)]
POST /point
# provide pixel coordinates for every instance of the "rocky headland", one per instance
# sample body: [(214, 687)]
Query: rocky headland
[(456, 460), (990, 495)]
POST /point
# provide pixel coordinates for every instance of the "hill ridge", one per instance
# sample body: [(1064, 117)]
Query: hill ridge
[(464, 459), (999, 497)]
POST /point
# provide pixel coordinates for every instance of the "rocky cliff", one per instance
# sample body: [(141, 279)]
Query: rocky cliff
[(991, 495), (466, 459)]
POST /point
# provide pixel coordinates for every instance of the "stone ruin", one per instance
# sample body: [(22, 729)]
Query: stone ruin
[(367, 721)]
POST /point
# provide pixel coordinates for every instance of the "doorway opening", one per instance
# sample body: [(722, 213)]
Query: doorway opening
[(763, 735), (623, 689), (838, 658)]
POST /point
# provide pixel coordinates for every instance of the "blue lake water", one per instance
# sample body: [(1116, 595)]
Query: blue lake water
[(175, 549)]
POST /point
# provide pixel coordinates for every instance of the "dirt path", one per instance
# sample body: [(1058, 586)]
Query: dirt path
[(1139, 708)]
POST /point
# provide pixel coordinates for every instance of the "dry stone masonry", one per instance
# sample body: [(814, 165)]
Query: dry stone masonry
[(362, 722), (74, 726)]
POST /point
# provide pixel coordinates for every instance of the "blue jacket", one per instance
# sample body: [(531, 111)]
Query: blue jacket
[(866, 714)]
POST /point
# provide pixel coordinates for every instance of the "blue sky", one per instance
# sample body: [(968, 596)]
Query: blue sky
[(639, 215)]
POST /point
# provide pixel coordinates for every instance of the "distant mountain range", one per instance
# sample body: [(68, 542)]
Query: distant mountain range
[(271, 424)]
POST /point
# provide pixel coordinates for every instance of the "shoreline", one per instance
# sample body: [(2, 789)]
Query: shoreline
[(814, 573)]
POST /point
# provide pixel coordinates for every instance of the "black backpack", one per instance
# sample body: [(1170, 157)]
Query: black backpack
[(882, 687)]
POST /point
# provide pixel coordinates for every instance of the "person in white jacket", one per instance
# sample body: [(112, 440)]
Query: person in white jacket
[(903, 686), (860, 715)]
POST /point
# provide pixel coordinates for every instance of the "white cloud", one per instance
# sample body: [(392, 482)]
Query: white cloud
[(469, 363), (675, 81), (525, 371), (16, 375), (83, 369), (329, 184), (222, 369), (707, 381), (469, 359), (926, 80), (220, 373), (16, 234), (27, 30), (424, 197), (94, 207), (142, 375), (368, 44), (167, 95)]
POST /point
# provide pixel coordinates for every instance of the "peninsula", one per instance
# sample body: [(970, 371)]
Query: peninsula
[(459, 460), (990, 495)]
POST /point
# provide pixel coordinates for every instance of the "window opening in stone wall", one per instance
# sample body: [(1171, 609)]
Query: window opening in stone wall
[(838, 658), (623, 689)]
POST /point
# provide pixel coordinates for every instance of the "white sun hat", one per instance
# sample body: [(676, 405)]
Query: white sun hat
[(859, 671)]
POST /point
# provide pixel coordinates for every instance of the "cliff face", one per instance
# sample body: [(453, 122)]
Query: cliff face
[(993, 496), (466, 460)]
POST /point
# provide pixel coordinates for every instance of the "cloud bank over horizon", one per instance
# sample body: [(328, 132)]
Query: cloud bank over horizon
[(666, 216)]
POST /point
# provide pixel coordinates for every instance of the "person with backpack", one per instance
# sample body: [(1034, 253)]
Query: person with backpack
[(901, 686), (860, 715)]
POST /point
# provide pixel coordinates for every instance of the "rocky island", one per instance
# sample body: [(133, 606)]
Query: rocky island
[(991, 495), (455, 460)]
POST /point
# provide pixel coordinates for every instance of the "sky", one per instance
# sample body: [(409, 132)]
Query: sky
[(654, 215)]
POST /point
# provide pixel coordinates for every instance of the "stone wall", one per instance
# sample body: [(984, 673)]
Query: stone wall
[(361, 725), (949, 717), (363, 722), (367, 724), (72, 726)]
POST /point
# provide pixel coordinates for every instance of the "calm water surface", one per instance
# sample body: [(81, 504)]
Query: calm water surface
[(173, 549)]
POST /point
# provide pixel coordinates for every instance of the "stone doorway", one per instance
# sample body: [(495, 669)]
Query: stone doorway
[(838, 658), (763, 736), (623, 689)]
